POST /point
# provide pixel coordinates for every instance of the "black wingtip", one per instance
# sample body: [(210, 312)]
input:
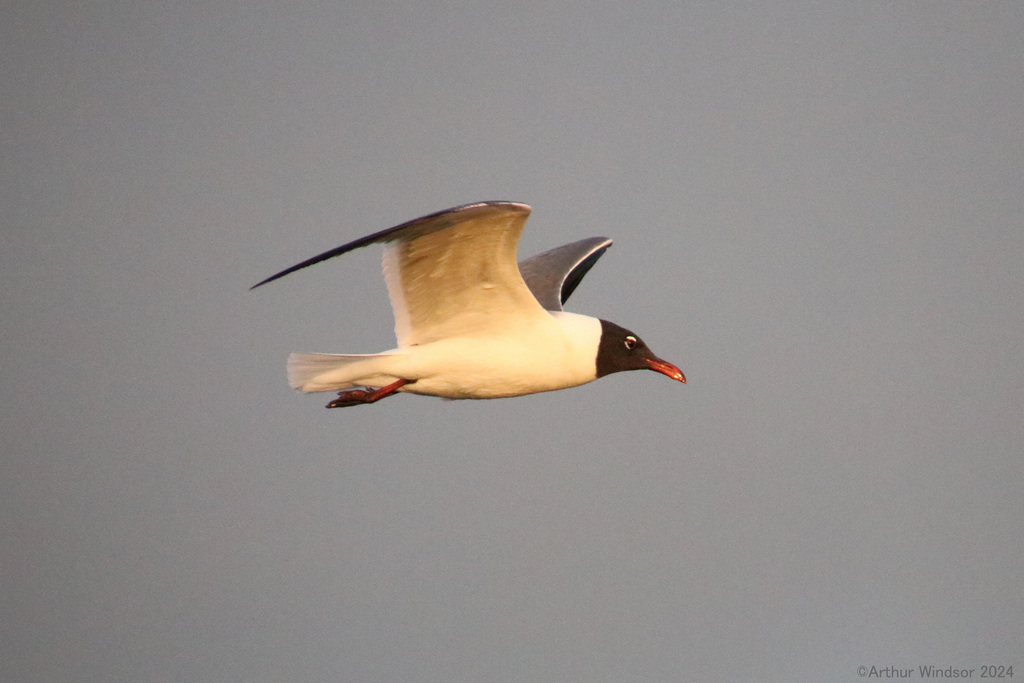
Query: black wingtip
[(260, 284), (269, 279), (575, 276)]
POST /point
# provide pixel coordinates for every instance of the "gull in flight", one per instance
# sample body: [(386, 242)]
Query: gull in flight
[(470, 321)]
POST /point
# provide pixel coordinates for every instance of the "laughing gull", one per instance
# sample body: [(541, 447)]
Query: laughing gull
[(470, 321)]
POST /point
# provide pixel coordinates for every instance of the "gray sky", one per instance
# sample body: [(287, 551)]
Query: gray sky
[(818, 216)]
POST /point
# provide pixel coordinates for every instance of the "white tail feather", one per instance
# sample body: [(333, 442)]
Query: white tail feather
[(334, 371)]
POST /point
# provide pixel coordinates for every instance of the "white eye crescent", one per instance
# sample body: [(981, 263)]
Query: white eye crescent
[(630, 342)]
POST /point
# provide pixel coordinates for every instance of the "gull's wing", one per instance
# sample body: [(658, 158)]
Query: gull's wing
[(553, 275), (452, 273)]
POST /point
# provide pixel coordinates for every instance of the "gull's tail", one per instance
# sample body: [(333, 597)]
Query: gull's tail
[(336, 371)]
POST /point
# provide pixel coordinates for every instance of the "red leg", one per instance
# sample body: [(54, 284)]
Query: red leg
[(355, 397)]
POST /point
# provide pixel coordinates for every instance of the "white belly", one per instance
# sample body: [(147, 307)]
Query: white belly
[(548, 357)]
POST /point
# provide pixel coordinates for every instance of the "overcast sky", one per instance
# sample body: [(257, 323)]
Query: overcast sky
[(817, 214)]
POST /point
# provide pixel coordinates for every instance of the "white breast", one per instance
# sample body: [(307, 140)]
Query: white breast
[(546, 355)]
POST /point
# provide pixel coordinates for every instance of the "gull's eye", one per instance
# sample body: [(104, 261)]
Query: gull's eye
[(630, 342)]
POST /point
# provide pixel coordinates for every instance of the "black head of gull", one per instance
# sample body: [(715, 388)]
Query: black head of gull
[(621, 350)]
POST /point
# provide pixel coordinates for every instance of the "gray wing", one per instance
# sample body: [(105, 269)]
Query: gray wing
[(452, 273), (553, 275), (414, 229)]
